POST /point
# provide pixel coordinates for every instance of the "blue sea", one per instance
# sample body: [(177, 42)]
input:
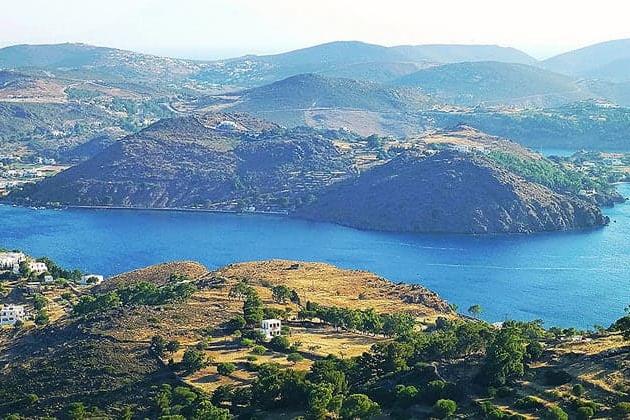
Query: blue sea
[(567, 279)]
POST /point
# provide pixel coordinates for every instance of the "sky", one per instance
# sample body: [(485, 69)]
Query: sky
[(208, 29)]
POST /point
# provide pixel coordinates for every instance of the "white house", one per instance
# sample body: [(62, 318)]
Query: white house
[(10, 260), (270, 328), (91, 279), (48, 279), (10, 314), (37, 267)]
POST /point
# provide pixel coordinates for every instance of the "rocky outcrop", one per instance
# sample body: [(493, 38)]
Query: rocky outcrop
[(449, 192)]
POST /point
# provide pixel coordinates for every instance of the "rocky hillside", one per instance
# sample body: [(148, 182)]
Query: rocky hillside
[(449, 192), (220, 161), (104, 360), (493, 83)]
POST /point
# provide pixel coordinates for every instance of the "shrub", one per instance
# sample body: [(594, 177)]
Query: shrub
[(406, 395), (295, 357), (236, 323), (359, 406), (444, 408), (280, 343), (622, 409), (578, 390), (585, 413), (226, 369), (557, 377), (259, 349), (193, 360), (556, 413), (247, 342)]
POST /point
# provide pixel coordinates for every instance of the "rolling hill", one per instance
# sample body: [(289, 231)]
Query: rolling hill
[(130, 70), (493, 83), (435, 194), (349, 59), (607, 60)]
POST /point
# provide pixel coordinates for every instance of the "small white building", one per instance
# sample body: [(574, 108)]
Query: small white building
[(10, 260), (270, 328), (48, 278), (89, 279), (10, 314), (37, 267)]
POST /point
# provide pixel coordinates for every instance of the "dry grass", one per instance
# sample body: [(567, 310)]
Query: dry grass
[(329, 285)]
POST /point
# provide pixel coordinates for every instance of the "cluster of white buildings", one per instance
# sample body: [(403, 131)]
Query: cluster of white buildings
[(12, 260), (10, 314)]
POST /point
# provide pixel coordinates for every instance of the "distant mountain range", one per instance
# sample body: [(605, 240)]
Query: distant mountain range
[(607, 60), (492, 83), (356, 60), (56, 97)]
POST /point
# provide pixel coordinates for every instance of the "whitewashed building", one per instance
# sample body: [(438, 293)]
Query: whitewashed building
[(89, 279), (10, 260), (48, 278), (270, 328), (37, 267), (10, 314)]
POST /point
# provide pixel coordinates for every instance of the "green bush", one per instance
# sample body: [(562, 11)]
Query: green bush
[(556, 413), (280, 343), (226, 369), (444, 408), (578, 390), (585, 413), (259, 349), (622, 408), (295, 357)]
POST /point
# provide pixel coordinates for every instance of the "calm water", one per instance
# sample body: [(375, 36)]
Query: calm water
[(567, 279)]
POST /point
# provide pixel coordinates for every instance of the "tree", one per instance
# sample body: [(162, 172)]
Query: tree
[(42, 318), (193, 360), (504, 358), (475, 310), (158, 345), (253, 309), (280, 343), (556, 413), (207, 411), (280, 294), (295, 357), (359, 406), (236, 323), (223, 394), (77, 411), (226, 368), (444, 409), (319, 397), (585, 413), (406, 395), (39, 301), (25, 270), (240, 290)]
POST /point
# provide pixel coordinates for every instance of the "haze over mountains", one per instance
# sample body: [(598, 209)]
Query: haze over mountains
[(57, 97)]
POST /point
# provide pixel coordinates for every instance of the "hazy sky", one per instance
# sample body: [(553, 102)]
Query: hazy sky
[(220, 28)]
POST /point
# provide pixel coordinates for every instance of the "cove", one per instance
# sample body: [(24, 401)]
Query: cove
[(567, 279)]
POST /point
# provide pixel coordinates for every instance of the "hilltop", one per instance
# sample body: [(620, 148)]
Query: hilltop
[(494, 83), (606, 60), (173, 339), (294, 101), (435, 194), (220, 161), (105, 360)]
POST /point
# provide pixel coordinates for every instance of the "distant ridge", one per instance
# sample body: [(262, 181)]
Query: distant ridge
[(606, 60)]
